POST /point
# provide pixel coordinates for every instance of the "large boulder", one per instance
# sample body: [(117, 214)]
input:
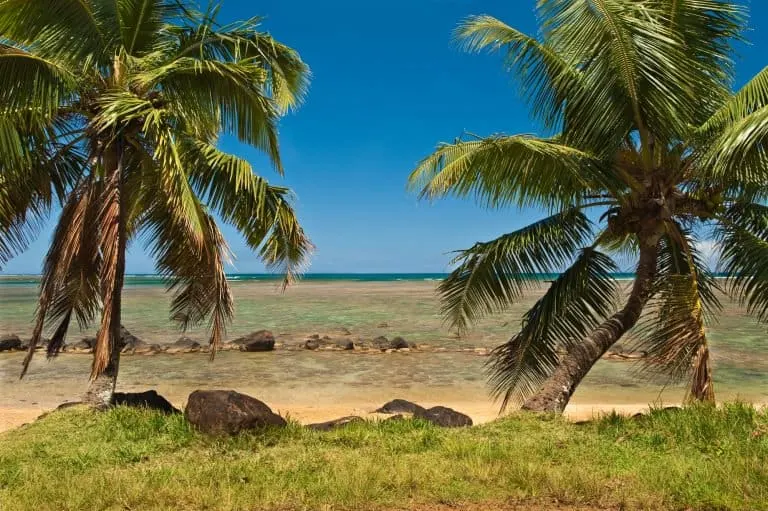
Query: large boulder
[(336, 423), (401, 406), (218, 412), (10, 342), (263, 340), (381, 342), (444, 417), (398, 343), (149, 399)]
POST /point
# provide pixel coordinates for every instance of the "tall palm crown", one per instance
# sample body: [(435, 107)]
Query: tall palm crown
[(650, 136), (113, 108)]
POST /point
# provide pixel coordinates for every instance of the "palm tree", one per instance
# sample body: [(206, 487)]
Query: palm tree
[(113, 109), (647, 132)]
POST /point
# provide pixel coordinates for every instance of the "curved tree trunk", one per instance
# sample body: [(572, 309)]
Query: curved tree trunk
[(104, 379), (556, 392)]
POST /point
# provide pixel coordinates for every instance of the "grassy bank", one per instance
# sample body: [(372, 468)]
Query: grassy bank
[(698, 458)]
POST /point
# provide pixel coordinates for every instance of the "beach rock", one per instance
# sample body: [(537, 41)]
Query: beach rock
[(259, 345), (346, 345), (444, 417), (10, 342), (336, 423), (398, 417), (41, 345), (398, 343), (259, 335), (127, 338), (149, 399), (184, 345), (261, 340), (85, 345), (132, 344), (380, 342), (228, 412), (147, 349), (312, 344), (401, 406)]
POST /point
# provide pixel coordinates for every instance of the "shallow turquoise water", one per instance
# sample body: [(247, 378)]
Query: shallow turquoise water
[(367, 309)]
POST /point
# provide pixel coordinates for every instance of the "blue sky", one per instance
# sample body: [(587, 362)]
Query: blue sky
[(388, 85)]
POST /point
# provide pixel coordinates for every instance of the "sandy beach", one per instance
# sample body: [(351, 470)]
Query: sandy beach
[(14, 417)]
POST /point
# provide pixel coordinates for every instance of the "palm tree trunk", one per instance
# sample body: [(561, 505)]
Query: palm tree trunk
[(702, 388), (102, 386), (556, 392)]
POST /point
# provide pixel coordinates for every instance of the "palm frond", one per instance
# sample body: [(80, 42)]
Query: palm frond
[(511, 170), (547, 79), (204, 38), (673, 328), (231, 93), (192, 265), (260, 211), (70, 278), (29, 82), (739, 154), (579, 300), (140, 22), (751, 97), (65, 30), (492, 275), (111, 246), (743, 236)]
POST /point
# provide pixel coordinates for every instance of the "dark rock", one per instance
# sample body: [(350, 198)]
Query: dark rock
[(336, 423), (398, 417), (41, 345), (133, 344), (444, 417), (381, 342), (261, 340), (10, 342), (312, 344), (346, 345), (401, 406), (399, 343), (316, 337), (228, 412), (259, 345), (127, 338), (149, 399)]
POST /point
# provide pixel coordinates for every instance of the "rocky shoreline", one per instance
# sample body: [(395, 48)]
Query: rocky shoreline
[(264, 341)]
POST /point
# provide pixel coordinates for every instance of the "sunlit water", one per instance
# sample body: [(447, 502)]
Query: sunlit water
[(316, 379)]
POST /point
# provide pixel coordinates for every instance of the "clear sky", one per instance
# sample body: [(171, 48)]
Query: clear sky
[(388, 85)]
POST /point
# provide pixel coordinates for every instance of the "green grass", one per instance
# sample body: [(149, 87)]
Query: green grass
[(699, 458)]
